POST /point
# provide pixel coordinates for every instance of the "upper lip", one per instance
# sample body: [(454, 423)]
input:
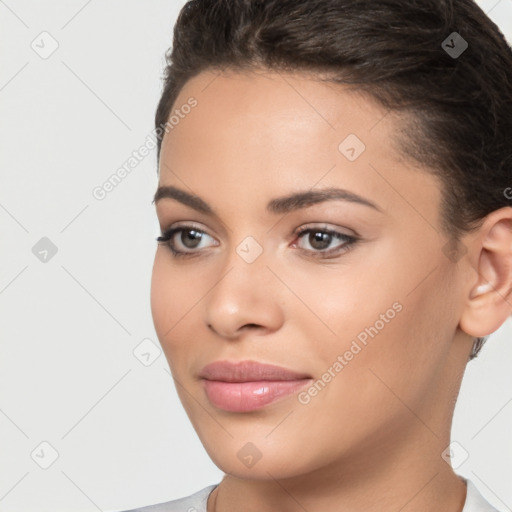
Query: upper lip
[(247, 371)]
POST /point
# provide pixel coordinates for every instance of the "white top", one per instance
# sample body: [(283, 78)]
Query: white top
[(196, 502)]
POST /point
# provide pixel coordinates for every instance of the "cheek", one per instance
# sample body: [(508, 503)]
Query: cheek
[(158, 292), (168, 297), (336, 305), (165, 299), (384, 317), (175, 304)]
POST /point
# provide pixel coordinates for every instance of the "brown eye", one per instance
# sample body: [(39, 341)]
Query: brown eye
[(320, 239), (189, 239)]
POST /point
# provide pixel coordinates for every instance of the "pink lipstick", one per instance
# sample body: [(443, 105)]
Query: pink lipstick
[(248, 385)]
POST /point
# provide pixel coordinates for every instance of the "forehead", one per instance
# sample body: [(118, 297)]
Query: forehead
[(278, 107), (246, 115), (268, 133)]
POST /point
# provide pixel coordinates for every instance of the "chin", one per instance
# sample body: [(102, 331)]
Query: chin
[(259, 459)]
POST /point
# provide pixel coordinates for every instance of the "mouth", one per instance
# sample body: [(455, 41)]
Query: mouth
[(248, 385)]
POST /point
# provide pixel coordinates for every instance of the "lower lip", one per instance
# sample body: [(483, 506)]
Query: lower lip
[(249, 396)]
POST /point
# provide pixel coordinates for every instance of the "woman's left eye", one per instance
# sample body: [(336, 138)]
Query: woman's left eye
[(319, 239)]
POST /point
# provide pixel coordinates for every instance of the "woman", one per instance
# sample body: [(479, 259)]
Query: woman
[(336, 244)]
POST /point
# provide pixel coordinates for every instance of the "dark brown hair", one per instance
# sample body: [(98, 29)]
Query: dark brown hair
[(457, 108)]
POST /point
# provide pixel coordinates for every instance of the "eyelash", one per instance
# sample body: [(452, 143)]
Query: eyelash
[(349, 240)]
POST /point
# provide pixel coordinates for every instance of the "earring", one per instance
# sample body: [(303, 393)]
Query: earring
[(477, 346)]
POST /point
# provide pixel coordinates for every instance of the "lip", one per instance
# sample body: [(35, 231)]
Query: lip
[(248, 371), (248, 385)]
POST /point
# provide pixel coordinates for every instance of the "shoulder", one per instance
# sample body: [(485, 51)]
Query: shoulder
[(194, 503), (475, 502)]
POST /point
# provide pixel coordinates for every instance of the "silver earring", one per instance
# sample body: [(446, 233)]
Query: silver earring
[(477, 345)]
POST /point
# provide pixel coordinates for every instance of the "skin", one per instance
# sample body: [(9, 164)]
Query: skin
[(372, 439)]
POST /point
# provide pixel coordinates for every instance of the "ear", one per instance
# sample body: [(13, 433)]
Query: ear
[(489, 295)]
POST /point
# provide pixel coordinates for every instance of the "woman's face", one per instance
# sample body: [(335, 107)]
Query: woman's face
[(370, 313)]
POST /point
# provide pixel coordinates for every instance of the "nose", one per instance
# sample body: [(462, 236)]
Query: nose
[(246, 297)]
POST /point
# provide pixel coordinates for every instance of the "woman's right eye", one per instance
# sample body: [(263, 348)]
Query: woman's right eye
[(190, 238)]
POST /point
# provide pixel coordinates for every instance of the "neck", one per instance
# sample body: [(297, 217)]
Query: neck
[(407, 475)]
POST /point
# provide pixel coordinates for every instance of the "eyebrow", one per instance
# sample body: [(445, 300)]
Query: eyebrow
[(279, 205)]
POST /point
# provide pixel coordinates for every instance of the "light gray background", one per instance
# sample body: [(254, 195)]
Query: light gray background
[(68, 374)]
